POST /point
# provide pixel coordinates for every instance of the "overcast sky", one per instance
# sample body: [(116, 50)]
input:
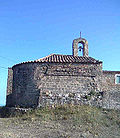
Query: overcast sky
[(31, 29)]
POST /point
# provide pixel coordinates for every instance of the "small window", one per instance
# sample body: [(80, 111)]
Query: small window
[(117, 78)]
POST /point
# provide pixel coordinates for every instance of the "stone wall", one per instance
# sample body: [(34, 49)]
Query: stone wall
[(36, 84), (9, 81), (111, 97), (109, 81), (40, 84), (9, 87)]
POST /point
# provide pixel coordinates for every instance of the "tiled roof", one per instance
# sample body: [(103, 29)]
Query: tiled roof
[(67, 59), (111, 72), (55, 58)]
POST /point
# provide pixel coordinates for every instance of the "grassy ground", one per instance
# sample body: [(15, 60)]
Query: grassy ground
[(66, 121)]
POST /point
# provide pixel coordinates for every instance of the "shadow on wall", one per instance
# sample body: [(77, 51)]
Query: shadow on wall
[(21, 89)]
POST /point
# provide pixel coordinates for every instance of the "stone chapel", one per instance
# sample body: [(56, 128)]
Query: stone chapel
[(63, 79)]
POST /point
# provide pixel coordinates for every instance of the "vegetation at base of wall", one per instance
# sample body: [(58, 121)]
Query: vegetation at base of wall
[(89, 118), (77, 113)]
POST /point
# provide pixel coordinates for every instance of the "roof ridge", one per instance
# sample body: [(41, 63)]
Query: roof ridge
[(50, 56), (44, 57)]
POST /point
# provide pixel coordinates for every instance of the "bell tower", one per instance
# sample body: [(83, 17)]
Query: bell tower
[(83, 48)]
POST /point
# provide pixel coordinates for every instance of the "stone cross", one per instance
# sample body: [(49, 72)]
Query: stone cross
[(80, 34)]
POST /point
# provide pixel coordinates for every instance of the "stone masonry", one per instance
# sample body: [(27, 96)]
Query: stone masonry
[(9, 81), (111, 97)]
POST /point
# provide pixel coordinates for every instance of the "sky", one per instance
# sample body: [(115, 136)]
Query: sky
[(32, 29)]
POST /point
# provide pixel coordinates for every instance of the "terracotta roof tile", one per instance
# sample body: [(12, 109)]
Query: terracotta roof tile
[(55, 58), (110, 72)]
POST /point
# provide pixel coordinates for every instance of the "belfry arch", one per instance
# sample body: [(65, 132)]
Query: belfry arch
[(84, 47)]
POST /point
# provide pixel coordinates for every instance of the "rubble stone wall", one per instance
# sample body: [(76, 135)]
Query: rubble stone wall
[(9, 81), (36, 84), (111, 97), (40, 84)]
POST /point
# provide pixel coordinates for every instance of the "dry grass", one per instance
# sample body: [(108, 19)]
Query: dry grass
[(65, 121)]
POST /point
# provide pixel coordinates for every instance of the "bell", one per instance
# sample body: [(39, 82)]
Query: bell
[(80, 48)]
